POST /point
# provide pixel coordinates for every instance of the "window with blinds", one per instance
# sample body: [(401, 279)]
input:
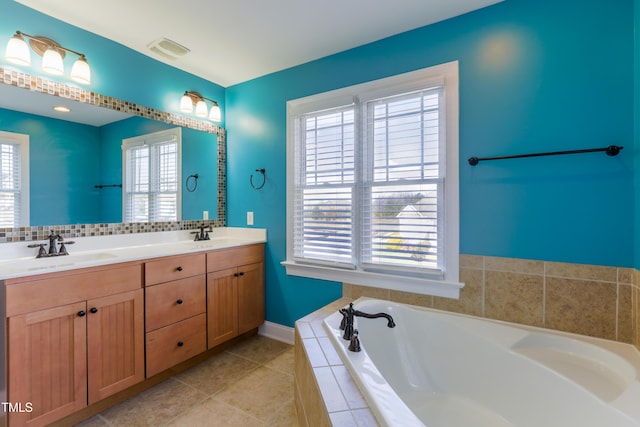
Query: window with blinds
[(151, 169), (14, 180), (368, 185)]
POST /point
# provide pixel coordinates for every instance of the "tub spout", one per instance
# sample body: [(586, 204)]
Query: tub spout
[(348, 315)]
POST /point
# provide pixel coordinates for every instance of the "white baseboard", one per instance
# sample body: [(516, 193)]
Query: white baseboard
[(277, 332)]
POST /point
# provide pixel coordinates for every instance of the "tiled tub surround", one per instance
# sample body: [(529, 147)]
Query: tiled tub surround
[(585, 299), (597, 301)]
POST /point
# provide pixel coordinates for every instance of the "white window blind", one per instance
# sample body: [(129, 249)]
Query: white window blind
[(326, 187), (369, 190), (403, 184), (14, 182), (151, 165)]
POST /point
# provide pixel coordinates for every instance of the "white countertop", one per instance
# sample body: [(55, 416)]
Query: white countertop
[(17, 260)]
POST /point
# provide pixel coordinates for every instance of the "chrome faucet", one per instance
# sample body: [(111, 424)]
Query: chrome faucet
[(203, 234), (53, 249), (348, 314)]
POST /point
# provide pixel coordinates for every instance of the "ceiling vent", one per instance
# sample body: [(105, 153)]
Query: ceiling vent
[(167, 48)]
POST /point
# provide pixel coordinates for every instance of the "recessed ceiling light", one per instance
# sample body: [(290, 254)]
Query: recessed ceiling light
[(61, 109)]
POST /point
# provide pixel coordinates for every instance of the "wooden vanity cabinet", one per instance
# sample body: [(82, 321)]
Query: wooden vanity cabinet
[(62, 357), (235, 292), (175, 310)]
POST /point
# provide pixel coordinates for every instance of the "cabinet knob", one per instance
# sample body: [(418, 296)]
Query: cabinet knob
[(180, 343), (179, 301), (94, 309), (241, 273), (179, 268), (81, 313)]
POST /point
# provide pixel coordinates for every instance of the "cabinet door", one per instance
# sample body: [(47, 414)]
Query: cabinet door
[(115, 343), (250, 297), (222, 306), (47, 355)]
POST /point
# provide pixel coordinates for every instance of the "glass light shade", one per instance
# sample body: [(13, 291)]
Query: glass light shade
[(80, 72), (215, 115), (201, 109), (17, 51), (52, 62), (186, 105)]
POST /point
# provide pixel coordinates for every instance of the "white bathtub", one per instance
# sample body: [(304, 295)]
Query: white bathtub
[(442, 369)]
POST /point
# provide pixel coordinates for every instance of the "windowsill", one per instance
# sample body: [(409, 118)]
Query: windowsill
[(414, 285)]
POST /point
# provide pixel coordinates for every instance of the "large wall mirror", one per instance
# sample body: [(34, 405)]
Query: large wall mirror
[(75, 161)]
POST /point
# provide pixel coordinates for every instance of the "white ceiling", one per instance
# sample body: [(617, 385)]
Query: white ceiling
[(232, 41), (20, 99)]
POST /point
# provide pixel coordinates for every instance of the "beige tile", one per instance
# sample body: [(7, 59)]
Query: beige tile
[(358, 291), (285, 416), (412, 299), (581, 306), (347, 290), (514, 297), (470, 301), (581, 271), (514, 265), (471, 261), (155, 406), (283, 363), (259, 349), (96, 421), (625, 328), (625, 276), (259, 392), (216, 373), (214, 413)]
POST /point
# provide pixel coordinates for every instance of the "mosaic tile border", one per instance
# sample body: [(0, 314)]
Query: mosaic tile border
[(74, 93), (38, 84)]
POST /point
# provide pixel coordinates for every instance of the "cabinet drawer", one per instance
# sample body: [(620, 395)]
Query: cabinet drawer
[(57, 290), (176, 343), (171, 302), (225, 258), (173, 268)]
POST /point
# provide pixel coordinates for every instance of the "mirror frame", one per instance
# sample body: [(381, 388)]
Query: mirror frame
[(38, 84)]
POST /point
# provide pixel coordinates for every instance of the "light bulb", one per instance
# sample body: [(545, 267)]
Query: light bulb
[(201, 109), (215, 115), (17, 51), (80, 72), (186, 105), (52, 62)]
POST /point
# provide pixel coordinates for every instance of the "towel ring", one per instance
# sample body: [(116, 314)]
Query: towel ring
[(264, 179), (195, 182)]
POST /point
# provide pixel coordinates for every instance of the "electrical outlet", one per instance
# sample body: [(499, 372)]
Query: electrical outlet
[(205, 214), (249, 218)]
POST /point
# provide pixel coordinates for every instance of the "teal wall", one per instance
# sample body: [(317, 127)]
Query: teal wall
[(534, 76), (61, 173), (117, 71)]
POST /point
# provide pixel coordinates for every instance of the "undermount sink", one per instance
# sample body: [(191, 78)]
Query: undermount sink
[(213, 242), (68, 260)]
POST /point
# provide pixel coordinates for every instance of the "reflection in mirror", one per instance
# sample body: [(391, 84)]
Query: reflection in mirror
[(75, 163)]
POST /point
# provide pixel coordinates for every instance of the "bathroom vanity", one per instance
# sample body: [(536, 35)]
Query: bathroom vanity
[(86, 326)]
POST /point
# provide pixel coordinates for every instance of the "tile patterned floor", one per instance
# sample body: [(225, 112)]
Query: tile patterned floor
[(250, 384)]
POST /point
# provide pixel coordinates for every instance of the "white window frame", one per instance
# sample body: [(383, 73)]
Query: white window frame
[(22, 141), (447, 283), (151, 139)]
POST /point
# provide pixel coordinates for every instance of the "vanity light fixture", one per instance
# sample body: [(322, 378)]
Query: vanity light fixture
[(52, 53), (190, 98)]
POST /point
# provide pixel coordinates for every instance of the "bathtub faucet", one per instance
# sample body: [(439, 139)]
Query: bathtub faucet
[(348, 315)]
